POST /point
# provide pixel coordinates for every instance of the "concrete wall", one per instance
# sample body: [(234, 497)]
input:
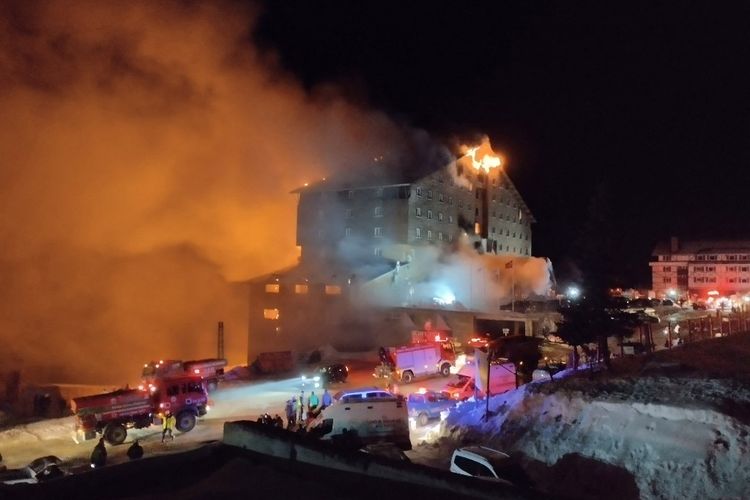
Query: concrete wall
[(285, 444)]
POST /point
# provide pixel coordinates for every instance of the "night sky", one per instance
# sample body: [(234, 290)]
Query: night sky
[(649, 105)]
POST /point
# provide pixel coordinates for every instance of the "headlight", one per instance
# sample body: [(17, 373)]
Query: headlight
[(208, 408)]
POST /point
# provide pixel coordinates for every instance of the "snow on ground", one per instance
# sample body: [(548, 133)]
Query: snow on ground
[(674, 424)]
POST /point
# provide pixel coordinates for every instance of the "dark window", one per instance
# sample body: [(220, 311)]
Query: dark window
[(173, 390)]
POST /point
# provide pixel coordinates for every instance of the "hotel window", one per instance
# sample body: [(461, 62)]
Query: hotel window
[(440, 216), (477, 228), (300, 289), (712, 257), (418, 233), (378, 232), (379, 192), (377, 252), (429, 194), (419, 211), (441, 197), (700, 257), (732, 280), (711, 269), (710, 280), (333, 290), (271, 313), (667, 280), (699, 269), (732, 268), (272, 288), (349, 213), (667, 269), (450, 237), (460, 203), (744, 280), (350, 194), (429, 214), (450, 218), (731, 257), (419, 191), (744, 269), (440, 235), (348, 231), (743, 257), (450, 200), (378, 212), (429, 234)]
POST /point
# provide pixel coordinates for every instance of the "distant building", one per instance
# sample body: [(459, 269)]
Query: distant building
[(696, 267)]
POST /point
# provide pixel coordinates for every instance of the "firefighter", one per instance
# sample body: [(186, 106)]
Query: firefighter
[(291, 412), (168, 424), (135, 451), (99, 455)]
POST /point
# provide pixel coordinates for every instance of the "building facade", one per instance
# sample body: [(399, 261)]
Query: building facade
[(699, 269), (367, 218)]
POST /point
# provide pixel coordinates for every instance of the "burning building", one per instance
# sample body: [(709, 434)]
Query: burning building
[(388, 251)]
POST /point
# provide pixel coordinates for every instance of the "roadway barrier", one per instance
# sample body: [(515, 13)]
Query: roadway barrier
[(292, 446)]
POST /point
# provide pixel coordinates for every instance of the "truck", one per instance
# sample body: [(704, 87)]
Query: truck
[(502, 379), (112, 414), (426, 405), (365, 420), (416, 361), (210, 370)]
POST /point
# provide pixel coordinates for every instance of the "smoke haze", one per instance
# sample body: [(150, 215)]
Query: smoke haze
[(146, 157)]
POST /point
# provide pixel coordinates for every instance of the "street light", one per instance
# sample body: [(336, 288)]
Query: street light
[(573, 292)]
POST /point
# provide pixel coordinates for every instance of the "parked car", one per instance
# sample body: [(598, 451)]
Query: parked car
[(426, 406), (39, 470), (362, 393), (338, 372), (488, 464)]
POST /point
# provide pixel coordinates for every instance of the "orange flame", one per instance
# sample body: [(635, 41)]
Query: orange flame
[(482, 156)]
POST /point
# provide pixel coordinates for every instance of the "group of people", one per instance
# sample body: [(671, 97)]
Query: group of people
[(275, 421), (135, 451), (300, 410)]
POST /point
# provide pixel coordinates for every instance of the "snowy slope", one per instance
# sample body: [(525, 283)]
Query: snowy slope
[(671, 425)]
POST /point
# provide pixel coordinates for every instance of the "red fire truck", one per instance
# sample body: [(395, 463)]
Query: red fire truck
[(421, 359), (111, 414), (210, 370)]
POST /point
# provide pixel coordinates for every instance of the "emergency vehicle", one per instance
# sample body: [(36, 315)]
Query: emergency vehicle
[(111, 414), (417, 361), (210, 370), (502, 379)]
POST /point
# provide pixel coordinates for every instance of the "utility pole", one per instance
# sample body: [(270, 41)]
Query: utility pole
[(220, 341), (513, 287)]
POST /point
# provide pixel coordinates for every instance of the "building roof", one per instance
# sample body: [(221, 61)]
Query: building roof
[(703, 247)]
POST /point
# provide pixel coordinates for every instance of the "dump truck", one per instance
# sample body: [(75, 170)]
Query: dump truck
[(112, 414)]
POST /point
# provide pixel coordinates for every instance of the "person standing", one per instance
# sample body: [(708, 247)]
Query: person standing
[(327, 400), (301, 407), (99, 455), (168, 424), (290, 413), (313, 402), (135, 451)]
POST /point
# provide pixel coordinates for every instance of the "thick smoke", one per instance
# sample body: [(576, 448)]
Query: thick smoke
[(146, 158)]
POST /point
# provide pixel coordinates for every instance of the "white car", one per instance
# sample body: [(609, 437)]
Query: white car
[(350, 395), (486, 463)]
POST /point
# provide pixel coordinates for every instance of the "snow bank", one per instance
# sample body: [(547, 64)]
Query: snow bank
[(679, 448), (57, 428)]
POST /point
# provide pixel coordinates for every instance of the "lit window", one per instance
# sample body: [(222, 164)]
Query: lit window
[(477, 228), (272, 288), (378, 212), (418, 233), (300, 288), (348, 231), (333, 290), (271, 313), (377, 251), (378, 232)]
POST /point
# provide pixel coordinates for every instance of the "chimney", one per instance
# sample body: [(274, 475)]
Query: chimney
[(674, 244)]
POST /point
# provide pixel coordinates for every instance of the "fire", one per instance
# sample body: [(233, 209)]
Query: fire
[(482, 156)]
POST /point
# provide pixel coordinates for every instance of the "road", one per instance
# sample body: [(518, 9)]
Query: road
[(234, 401)]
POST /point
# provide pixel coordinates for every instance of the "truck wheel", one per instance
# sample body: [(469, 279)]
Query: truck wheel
[(185, 421), (407, 376), (445, 369), (422, 419), (115, 434)]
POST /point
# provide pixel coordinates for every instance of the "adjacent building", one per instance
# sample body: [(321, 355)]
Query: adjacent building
[(698, 269)]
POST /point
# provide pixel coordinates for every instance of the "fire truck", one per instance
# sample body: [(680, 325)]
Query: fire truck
[(210, 370), (424, 358), (112, 414)]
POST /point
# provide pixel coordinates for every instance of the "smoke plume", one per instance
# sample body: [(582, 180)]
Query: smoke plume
[(146, 157)]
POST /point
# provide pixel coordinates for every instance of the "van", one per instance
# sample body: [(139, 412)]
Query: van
[(364, 421)]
